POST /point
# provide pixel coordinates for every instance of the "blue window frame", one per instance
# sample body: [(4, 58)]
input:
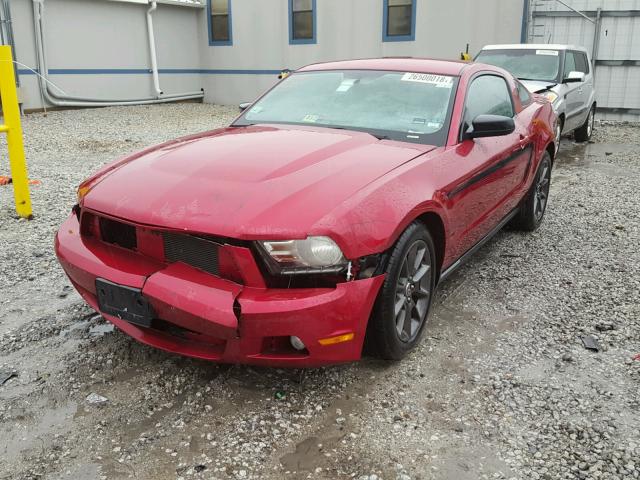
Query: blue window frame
[(219, 15), (302, 22), (399, 20)]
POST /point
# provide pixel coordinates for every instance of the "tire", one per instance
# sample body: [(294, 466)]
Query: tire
[(391, 333), (583, 133), (534, 204)]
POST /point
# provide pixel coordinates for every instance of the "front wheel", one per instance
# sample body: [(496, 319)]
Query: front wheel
[(559, 127), (404, 300), (534, 204), (583, 134)]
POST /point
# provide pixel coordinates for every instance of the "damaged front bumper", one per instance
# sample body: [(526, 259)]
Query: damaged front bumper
[(200, 315)]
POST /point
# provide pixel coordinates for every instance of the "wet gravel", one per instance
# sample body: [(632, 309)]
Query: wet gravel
[(500, 387)]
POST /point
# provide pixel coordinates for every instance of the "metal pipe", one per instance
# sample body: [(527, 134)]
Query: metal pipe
[(152, 49), (8, 29), (596, 41), (577, 11), (69, 101), (524, 29)]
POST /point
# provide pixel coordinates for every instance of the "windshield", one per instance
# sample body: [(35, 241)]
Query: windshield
[(411, 107), (543, 65)]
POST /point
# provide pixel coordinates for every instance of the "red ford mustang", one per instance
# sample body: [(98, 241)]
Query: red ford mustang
[(324, 216)]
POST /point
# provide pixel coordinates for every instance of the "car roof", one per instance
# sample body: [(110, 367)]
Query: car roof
[(534, 46), (400, 64)]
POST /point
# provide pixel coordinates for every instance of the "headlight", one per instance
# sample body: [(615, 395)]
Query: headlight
[(302, 256), (549, 95)]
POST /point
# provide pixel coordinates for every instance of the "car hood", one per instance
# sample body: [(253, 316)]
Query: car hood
[(248, 182), (537, 86)]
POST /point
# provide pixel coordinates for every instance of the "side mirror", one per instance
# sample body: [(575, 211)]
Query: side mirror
[(244, 106), (490, 126), (574, 77)]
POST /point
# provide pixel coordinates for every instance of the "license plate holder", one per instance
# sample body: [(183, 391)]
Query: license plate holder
[(125, 303)]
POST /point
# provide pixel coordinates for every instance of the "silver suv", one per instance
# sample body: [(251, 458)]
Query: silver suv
[(562, 73)]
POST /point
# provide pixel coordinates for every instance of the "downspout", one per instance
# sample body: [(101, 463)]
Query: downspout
[(524, 32), (9, 31), (57, 99), (152, 49)]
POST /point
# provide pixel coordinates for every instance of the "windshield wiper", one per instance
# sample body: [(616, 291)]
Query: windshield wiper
[(536, 80), (378, 136)]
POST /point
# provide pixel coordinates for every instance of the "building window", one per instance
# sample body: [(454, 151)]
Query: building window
[(219, 22), (399, 23), (302, 21)]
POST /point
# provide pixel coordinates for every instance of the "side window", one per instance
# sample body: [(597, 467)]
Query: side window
[(523, 93), (487, 95), (219, 22), (399, 20), (582, 65), (569, 63), (302, 21)]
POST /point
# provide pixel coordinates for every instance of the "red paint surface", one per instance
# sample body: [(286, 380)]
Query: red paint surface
[(285, 182)]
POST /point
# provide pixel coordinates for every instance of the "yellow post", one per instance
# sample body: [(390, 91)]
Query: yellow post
[(12, 128)]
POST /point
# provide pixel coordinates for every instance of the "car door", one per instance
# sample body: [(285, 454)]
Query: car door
[(585, 88), (494, 168), (574, 93)]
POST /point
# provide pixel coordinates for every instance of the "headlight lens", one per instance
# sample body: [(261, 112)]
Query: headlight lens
[(551, 96), (311, 253)]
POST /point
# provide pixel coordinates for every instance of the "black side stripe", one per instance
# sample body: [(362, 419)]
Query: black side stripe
[(488, 171)]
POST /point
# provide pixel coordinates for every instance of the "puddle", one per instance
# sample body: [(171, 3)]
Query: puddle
[(94, 331), (101, 329), (66, 332), (584, 154), (39, 434)]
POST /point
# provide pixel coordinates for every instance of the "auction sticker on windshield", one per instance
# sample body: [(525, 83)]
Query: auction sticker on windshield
[(553, 53), (441, 81)]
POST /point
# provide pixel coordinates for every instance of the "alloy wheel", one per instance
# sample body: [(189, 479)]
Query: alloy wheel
[(590, 121), (542, 191), (413, 291)]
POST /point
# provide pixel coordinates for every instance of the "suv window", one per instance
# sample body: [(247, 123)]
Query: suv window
[(487, 95), (523, 93), (569, 63), (582, 64)]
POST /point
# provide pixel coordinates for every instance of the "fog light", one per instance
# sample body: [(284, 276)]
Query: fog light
[(297, 343)]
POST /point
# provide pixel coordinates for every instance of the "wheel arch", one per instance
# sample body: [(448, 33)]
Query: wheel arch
[(434, 223), (436, 229), (550, 149)]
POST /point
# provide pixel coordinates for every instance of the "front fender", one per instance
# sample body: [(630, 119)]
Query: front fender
[(371, 221)]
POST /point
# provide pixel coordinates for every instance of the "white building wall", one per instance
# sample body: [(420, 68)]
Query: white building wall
[(90, 36), (87, 38), (346, 29)]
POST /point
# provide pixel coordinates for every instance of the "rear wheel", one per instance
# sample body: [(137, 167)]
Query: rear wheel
[(534, 204), (405, 298), (583, 134)]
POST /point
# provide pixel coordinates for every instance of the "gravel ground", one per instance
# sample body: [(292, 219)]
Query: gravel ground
[(501, 386)]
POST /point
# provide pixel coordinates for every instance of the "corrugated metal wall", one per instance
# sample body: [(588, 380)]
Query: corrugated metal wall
[(617, 51)]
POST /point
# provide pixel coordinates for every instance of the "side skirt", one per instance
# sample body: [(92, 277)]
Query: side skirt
[(469, 253)]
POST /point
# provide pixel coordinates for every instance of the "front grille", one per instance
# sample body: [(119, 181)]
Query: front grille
[(118, 233), (195, 251)]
